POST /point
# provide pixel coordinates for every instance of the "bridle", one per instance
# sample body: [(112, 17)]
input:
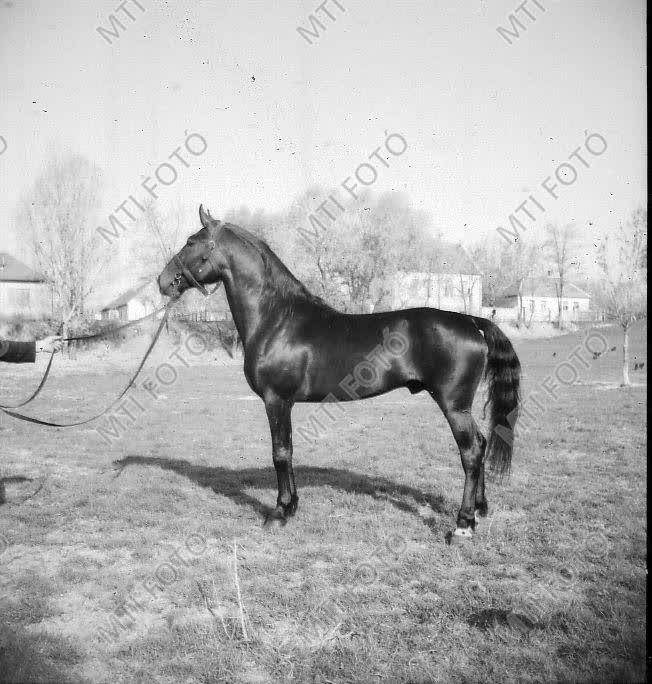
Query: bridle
[(187, 274)]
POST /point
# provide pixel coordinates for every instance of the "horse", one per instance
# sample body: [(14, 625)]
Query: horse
[(297, 348)]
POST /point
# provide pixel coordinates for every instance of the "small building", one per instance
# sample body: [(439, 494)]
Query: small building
[(454, 284), (539, 301), (23, 292), (135, 303)]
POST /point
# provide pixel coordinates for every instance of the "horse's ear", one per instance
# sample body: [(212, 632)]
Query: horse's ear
[(204, 217)]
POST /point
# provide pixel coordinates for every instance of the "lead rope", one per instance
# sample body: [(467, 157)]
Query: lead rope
[(74, 339), (7, 408), (36, 392), (38, 421)]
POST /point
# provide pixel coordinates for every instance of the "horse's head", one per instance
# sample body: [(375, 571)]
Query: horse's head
[(197, 264)]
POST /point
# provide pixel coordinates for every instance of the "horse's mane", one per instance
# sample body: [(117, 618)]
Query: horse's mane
[(280, 283)]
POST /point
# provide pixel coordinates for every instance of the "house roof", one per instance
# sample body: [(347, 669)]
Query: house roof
[(12, 270), (126, 297), (546, 287)]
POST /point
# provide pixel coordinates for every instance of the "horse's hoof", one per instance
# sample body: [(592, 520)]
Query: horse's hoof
[(460, 537), (274, 520), (481, 511)]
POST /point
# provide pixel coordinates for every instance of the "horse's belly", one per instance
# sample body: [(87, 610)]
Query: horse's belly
[(335, 380)]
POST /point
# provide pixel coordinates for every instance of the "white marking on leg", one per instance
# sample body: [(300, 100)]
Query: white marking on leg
[(463, 532)]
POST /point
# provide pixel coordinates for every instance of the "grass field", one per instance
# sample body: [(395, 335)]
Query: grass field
[(117, 553)]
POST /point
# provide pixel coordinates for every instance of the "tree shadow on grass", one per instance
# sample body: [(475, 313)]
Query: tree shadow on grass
[(232, 484)]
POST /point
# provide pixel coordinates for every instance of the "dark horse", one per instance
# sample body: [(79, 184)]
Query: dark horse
[(297, 348)]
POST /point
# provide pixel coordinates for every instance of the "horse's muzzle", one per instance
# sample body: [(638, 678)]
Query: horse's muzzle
[(168, 287)]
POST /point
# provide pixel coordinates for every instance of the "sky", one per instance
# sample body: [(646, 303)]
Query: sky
[(485, 121)]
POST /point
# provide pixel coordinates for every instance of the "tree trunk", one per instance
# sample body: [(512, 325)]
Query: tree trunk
[(462, 291), (626, 382), (67, 346), (560, 306), (560, 303)]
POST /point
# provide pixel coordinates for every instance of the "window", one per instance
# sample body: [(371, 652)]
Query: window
[(565, 306), (19, 297), (122, 312), (544, 306), (576, 306)]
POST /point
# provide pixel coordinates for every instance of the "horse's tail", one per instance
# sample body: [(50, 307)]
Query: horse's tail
[(504, 375)]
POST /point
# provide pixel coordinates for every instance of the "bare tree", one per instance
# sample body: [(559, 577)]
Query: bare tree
[(350, 259), (305, 236), (623, 291), (505, 267), (374, 243), (59, 214), (492, 260), (348, 255), (465, 288), (522, 261), (157, 237), (560, 245)]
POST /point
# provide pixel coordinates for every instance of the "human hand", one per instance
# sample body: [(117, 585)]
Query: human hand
[(50, 344)]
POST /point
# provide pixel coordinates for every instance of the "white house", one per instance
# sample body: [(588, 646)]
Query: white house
[(23, 292), (135, 303), (539, 301), (454, 284)]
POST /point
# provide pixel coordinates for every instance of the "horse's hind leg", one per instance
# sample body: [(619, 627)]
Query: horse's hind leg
[(470, 443), (481, 505), (280, 425)]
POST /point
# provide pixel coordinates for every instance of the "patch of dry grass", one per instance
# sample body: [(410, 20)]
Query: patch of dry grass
[(360, 586)]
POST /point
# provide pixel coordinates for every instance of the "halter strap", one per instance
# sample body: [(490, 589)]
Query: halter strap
[(185, 271)]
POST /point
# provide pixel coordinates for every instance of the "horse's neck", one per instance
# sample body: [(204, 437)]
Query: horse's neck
[(242, 311), (244, 289)]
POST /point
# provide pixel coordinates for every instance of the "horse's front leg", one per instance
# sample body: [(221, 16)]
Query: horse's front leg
[(280, 424)]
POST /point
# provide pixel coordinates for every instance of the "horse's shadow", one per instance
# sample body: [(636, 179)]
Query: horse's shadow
[(233, 483)]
